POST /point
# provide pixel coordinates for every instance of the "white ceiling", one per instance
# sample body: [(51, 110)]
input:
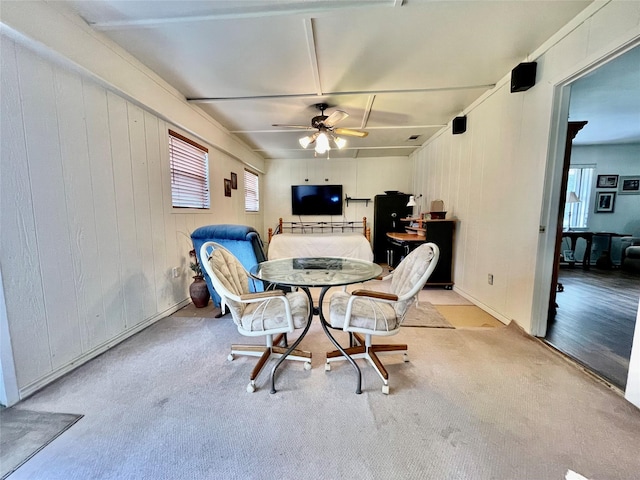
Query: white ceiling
[(398, 67), (609, 99)]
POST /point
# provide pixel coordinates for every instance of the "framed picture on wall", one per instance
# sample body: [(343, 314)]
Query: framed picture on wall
[(605, 202), (629, 185), (234, 181), (607, 181), (227, 187)]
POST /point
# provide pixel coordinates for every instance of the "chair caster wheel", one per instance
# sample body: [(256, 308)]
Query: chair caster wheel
[(230, 357), (251, 387), (385, 389), (307, 365), (327, 367), (405, 358)]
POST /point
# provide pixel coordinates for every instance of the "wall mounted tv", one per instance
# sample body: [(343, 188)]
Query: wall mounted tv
[(316, 199)]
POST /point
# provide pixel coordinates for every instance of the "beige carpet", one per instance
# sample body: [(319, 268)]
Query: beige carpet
[(486, 403)]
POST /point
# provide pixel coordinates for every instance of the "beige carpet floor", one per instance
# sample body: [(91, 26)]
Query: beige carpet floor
[(471, 404)]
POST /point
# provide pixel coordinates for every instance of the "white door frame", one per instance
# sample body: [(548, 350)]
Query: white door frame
[(553, 178)]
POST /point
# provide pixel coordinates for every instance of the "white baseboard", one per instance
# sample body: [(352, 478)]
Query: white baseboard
[(42, 382)]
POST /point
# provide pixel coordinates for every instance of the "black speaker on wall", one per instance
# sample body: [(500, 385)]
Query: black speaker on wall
[(459, 125), (523, 77)]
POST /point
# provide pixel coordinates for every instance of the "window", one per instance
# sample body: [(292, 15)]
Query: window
[(251, 192), (189, 168), (579, 182)]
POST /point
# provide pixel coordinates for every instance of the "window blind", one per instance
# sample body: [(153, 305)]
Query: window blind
[(189, 172), (251, 192), (579, 181)]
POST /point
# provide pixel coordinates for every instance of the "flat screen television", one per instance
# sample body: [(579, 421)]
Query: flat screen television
[(316, 199)]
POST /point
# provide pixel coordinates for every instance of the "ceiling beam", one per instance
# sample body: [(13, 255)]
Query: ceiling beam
[(290, 8), (367, 111), (394, 127), (313, 56), (299, 149), (357, 92)]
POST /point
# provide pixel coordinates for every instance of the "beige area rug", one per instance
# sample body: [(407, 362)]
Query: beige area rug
[(23, 433), (433, 295), (448, 310), (425, 315), (440, 296), (468, 316)]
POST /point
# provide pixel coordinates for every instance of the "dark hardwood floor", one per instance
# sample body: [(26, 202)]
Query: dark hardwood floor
[(595, 320)]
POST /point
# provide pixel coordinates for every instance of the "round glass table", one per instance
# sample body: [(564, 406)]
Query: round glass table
[(310, 272)]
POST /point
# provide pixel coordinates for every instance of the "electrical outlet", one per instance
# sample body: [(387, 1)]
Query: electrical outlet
[(175, 272), (490, 279)]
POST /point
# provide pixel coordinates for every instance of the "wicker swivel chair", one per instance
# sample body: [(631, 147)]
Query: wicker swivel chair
[(268, 314), (373, 313)]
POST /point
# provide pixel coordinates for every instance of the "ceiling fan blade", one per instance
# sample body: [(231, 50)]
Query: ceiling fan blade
[(335, 117), (303, 127), (349, 132)]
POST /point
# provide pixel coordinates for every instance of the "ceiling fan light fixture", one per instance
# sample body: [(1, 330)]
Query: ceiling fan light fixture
[(326, 133), (322, 143), (340, 142), (305, 141)]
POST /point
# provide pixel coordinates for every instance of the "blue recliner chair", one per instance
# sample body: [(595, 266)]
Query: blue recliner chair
[(241, 240)]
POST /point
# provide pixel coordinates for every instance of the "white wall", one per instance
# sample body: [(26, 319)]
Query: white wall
[(360, 178), (494, 177), (89, 238), (487, 182), (625, 219), (612, 160), (59, 34)]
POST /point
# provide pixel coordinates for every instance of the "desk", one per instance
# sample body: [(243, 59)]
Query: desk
[(439, 232), (308, 272), (605, 259), (573, 237), (406, 241)]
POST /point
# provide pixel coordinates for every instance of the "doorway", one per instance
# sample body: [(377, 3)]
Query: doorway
[(594, 300)]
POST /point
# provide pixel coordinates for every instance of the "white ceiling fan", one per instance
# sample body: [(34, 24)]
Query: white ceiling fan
[(326, 130)]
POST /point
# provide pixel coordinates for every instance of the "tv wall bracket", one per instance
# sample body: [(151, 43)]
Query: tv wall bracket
[(349, 199)]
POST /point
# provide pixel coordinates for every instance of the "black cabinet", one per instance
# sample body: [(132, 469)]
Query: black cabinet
[(388, 210), (439, 232)]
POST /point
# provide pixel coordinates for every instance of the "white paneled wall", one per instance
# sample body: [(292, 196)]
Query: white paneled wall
[(621, 160), (360, 178), (88, 235), (492, 178)]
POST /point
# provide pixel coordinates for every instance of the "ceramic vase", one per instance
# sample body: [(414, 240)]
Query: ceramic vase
[(199, 292)]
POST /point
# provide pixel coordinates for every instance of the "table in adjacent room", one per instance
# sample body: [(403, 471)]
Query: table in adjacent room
[(573, 237), (310, 272), (605, 258)]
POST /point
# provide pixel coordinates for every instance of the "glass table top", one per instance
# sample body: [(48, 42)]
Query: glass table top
[(316, 271)]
